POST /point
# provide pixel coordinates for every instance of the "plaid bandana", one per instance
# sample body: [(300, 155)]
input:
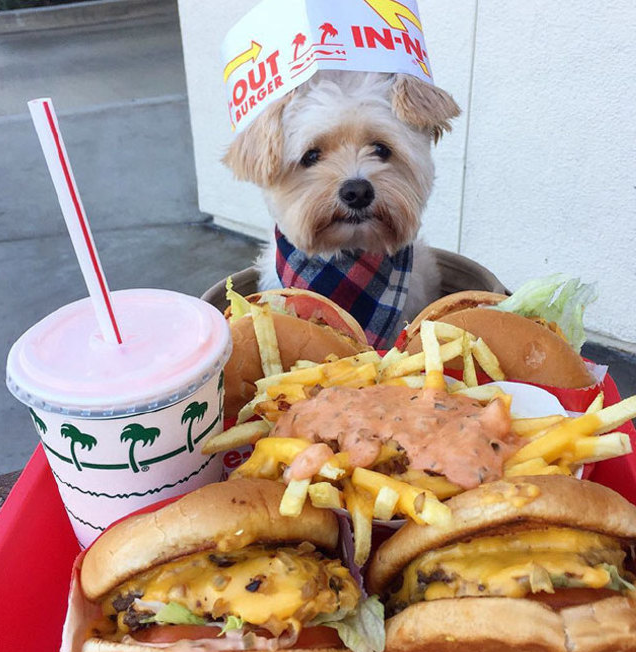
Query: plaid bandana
[(371, 287)]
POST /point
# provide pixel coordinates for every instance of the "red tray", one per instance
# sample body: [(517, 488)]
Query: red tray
[(37, 546)]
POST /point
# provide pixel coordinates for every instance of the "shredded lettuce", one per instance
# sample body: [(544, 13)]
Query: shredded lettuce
[(361, 630), (176, 614), (555, 299), (617, 583), (239, 305), (232, 622)]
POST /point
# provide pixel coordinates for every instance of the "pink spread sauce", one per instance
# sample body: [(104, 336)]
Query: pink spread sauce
[(440, 433)]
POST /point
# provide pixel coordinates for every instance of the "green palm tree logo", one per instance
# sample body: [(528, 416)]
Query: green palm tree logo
[(135, 432), (84, 440), (39, 424), (194, 412)]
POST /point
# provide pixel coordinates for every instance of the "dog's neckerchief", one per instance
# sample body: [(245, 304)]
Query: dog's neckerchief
[(371, 287)]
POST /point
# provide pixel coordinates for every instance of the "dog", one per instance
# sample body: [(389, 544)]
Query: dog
[(345, 164)]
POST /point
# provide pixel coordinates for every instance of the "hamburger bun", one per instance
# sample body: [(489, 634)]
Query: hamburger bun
[(94, 645), (526, 350), (298, 339), (504, 624), (226, 516), (513, 625), (454, 303), (554, 500)]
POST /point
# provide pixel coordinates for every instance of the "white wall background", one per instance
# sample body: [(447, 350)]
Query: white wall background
[(539, 174)]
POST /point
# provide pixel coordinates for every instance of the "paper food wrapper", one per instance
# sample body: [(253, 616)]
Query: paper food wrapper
[(280, 44)]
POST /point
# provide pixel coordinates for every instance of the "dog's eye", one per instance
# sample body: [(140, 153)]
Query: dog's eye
[(382, 151), (310, 157)]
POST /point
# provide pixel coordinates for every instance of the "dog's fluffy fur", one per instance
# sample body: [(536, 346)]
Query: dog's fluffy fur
[(344, 115)]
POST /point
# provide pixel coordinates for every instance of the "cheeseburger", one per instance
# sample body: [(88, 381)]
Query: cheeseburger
[(532, 349), (541, 564), (220, 569)]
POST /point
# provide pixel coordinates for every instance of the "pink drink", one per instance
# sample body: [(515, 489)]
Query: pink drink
[(123, 425)]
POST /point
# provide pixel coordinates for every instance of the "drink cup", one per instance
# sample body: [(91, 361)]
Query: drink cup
[(123, 425)]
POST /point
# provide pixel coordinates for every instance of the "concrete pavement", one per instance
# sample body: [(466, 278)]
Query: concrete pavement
[(119, 90)]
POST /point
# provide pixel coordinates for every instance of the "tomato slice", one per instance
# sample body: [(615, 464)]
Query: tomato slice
[(318, 637), (308, 308), (310, 638), (563, 598), (174, 633)]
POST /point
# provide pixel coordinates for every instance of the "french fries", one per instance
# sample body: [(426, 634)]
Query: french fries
[(268, 456), (325, 495), (487, 360), (531, 427), (385, 503), (596, 404), (470, 375), (432, 357), (241, 435), (563, 436), (603, 447), (360, 506), (266, 339), (409, 503), (294, 498)]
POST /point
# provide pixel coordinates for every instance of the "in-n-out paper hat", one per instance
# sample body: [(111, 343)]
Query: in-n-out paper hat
[(280, 44)]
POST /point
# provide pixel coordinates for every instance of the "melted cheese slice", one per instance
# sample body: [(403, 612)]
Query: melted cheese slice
[(509, 565), (259, 584)]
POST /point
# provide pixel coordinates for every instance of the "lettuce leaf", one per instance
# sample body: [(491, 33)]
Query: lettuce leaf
[(239, 306), (361, 630), (617, 583), (232, 622), (556, 299), (176, 614)]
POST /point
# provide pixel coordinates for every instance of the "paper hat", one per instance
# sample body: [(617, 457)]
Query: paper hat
[(280, 44)]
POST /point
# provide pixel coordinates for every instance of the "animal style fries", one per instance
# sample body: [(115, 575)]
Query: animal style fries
[(389, 483)]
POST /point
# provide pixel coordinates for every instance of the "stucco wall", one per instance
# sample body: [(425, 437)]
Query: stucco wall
[(539, 174)]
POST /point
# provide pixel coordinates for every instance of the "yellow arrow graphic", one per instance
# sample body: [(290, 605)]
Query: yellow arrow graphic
[(244, 57), (424, 67), (391, 10)]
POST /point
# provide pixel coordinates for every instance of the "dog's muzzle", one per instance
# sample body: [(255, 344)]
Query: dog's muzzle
[(356, 193)]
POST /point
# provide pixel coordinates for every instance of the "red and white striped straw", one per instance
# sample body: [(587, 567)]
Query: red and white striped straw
[(45, 121)]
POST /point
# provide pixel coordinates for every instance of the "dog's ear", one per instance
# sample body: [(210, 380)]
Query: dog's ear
[(256, 154), (423, 106)]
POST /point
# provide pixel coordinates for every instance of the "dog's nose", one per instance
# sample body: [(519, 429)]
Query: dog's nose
[(357, 193)]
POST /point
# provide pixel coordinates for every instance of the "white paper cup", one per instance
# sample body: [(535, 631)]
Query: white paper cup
[(123, 427)]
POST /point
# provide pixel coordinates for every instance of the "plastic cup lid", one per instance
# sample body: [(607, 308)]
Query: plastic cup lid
[(173, 344)]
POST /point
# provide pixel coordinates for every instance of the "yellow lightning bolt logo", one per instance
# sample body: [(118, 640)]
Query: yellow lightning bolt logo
[(392, 13), (244, 57), (424, 67)]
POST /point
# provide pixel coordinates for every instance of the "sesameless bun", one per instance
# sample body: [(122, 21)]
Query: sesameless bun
[(554, 500), (454, 303), (94, 645), (226, 516), (526, 350), (513, 625), (495, 623), (298, 339)]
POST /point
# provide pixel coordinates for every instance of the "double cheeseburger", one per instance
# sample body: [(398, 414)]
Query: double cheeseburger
[(220, 569), (308, 327), (541, 564), (529, 349)]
